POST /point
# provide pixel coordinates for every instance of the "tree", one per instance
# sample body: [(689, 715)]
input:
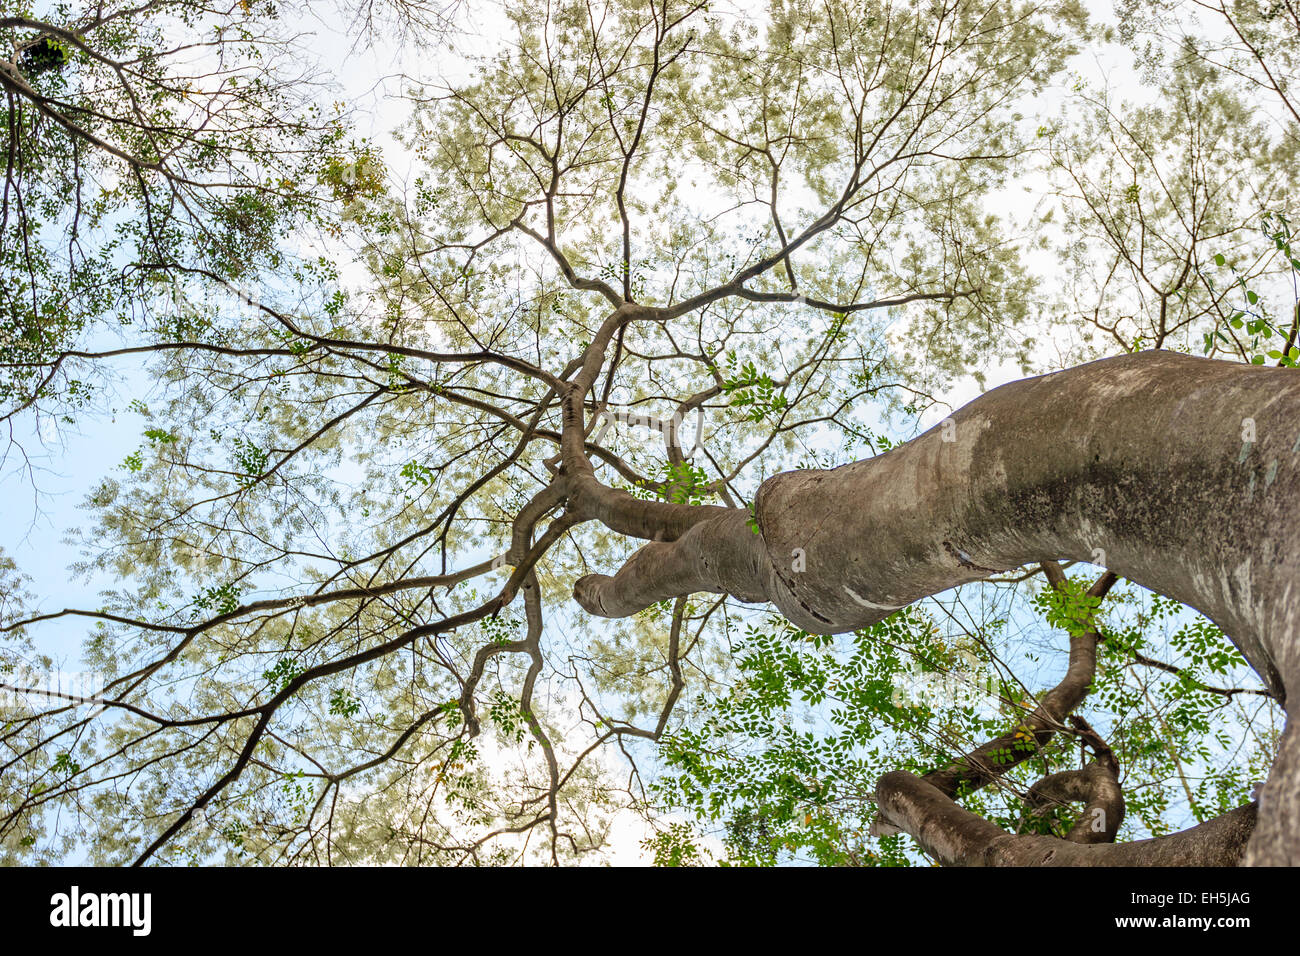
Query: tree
[(761, 236)]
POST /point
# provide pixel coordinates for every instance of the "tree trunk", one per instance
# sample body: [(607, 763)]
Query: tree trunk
[(1178, 473)]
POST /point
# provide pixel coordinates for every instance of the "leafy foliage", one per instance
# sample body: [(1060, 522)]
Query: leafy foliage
[(782, 766)]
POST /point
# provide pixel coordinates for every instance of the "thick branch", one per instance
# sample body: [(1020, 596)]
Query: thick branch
[(1137, 462), (957, 837)]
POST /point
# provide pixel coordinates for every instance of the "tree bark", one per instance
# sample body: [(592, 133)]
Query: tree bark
[(1178, 473), (957, 837)]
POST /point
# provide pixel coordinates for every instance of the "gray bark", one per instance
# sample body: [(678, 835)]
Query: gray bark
[(957, 837), (1178, 473)]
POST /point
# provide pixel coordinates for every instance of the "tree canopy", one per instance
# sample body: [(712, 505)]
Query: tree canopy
[(428, 422)]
